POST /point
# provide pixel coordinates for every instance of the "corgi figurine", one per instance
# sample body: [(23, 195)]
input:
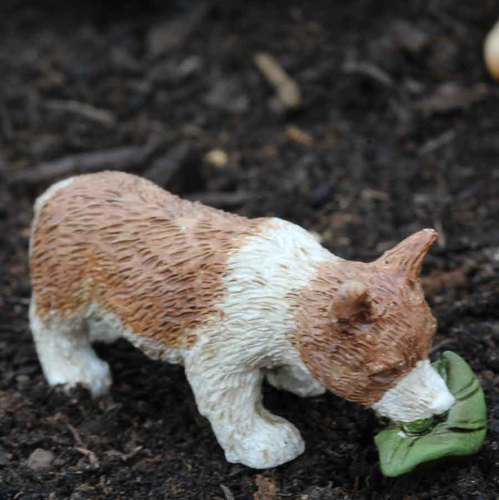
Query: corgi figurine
[(232, 299)]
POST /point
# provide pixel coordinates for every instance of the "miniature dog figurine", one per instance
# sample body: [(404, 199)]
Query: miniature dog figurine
[(232, 299)]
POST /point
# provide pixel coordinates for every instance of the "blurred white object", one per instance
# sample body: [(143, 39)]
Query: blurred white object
[(491, 51)]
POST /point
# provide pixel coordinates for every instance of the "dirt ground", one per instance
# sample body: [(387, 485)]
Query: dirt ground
[(397, 129)]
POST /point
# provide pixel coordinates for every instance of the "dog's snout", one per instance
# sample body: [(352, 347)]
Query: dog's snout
[(442, 403)]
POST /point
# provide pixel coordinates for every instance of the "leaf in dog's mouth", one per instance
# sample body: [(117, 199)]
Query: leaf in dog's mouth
[(461, 431)]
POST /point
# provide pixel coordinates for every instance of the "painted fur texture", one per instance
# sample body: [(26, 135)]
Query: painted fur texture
[(232, 299)]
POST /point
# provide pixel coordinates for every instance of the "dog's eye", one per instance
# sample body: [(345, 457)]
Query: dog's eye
[(387, 375)]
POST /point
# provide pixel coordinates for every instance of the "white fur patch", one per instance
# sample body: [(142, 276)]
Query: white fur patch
[(283, 258), (420, 394)]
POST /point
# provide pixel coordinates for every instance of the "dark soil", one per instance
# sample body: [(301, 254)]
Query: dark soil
[(398, 130)]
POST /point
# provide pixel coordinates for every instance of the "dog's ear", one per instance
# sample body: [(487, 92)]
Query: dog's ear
[(350, 302), (407, 257)]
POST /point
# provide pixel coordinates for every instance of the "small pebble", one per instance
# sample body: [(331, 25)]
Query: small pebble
[(40, 459), (217, 157)]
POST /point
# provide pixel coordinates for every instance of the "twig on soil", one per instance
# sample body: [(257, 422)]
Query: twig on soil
[(124, 456), (369, 70), (222, 198), (82, 448), (451, 96), (227, 493), (438, 281), (76, 436), (92, 457), (299, 136), (122, 158), (287, 90), (438, 142), (101, 116), (166, 166)]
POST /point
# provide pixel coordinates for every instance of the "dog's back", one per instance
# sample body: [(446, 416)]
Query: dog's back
[(122, 245)]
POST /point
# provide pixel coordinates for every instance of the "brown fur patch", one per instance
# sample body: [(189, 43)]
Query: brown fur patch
[(152, 259), (359, 359)]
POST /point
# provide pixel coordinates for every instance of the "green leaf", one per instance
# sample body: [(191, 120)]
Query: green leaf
[(402, 447)]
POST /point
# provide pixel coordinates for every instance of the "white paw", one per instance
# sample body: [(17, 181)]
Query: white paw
[(273, 441), (99, 382), (94, 376)]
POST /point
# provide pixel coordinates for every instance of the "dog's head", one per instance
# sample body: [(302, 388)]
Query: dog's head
[(372, 341)]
